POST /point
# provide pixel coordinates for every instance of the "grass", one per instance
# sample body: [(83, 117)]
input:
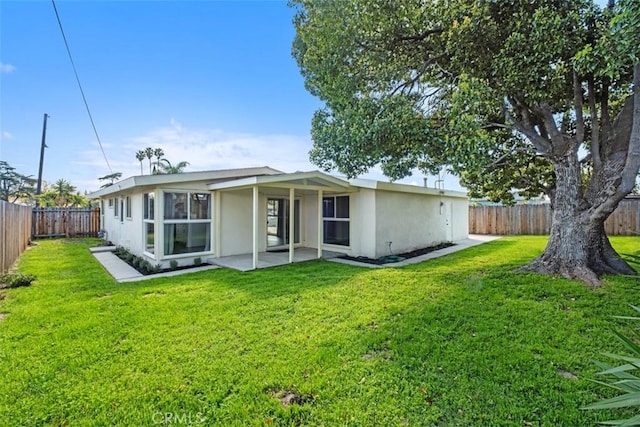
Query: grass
[(460, 340)]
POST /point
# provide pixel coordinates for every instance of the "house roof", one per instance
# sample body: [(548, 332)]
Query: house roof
[(313, 180), (404, 188), (206, 176), (235, 179)]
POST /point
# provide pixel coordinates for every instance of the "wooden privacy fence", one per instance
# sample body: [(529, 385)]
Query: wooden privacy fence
[(66, 222), (15, 232), (536, 219)]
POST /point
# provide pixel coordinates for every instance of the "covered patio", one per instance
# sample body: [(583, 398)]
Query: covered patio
[(299, 221), (244, 262)]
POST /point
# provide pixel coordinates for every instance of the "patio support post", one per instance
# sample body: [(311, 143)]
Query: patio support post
[(320, 223), (255, 227), (292, 223), (217, 227)]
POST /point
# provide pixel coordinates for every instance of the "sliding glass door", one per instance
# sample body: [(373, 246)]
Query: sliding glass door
[(278, 222)]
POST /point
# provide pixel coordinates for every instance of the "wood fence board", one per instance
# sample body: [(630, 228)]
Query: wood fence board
[(15, 232), (536, 219), (67, 222)]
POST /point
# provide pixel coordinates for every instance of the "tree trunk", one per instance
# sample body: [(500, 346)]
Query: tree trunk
[(578, 246)]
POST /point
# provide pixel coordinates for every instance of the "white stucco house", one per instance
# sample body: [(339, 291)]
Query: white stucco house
[(218, 213)]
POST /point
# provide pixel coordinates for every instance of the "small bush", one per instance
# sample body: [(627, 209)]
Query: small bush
[(197, 261), (173, 264), (15, 280)]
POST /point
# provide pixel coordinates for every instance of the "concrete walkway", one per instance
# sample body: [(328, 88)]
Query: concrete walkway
[(473, 240), (123, 272)]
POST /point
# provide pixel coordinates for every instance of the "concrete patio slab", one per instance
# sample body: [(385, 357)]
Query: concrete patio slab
[(244, 262), (472, 240)]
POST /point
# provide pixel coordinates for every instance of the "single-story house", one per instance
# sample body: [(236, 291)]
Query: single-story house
[(212, 214)]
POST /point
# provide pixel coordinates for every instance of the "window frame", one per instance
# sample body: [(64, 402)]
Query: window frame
[(148, 219), (127, 208), (336, 218), (188, 221)]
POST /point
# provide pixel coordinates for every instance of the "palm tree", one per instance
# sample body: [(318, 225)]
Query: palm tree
[(140, 155), (158, 153), (167, 168), (64, 191), (148, 152)]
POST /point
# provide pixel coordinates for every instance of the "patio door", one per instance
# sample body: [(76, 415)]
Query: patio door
[(278, 223)]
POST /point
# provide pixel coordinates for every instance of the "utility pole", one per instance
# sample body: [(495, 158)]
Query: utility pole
[(42, 147)]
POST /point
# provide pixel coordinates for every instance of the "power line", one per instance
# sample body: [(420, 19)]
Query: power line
[(84, 98)]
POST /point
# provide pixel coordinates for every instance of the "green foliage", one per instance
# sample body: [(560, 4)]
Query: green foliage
[(15, 280), (622, 377), (111, 178), (197, 261), (424, 85), (62, 194), (173, 264), (461, 340), (15, 186)]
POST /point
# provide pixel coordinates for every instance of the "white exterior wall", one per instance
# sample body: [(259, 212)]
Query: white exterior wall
[(362, 227), (236, 219), (128, 232), (412, 221)]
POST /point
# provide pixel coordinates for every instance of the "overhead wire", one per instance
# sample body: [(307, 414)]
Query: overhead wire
[(84, 98)]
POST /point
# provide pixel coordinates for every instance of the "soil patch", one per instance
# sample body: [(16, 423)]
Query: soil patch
[(398, 257), (288, 397)]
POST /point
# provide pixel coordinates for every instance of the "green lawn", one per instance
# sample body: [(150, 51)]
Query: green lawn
[(460, 340)]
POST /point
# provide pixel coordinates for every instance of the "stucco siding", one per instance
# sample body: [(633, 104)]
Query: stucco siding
[(236, 218), (406, 221)]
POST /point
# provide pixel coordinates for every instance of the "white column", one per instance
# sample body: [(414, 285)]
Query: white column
[(320, 223), (217, 226), (292, 223), (255, 227)]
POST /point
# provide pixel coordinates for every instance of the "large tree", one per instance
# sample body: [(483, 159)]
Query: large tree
[(531, 95), (14, 186)]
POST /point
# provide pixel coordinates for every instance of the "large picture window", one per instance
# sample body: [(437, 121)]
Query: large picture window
[(148, 219), (335, 216), (186, 223)]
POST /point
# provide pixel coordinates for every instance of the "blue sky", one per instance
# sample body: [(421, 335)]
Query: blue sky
[(210, 82)]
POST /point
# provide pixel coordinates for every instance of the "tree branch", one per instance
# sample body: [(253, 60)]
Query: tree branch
[(527, 128), (577, 99), (595, 127)]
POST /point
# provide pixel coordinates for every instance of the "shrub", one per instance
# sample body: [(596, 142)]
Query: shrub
[(622, 377), (197, 261), (173, 264), (15, 280)]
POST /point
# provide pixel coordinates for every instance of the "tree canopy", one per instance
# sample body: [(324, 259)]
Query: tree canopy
[(528, 95), (14, 186)]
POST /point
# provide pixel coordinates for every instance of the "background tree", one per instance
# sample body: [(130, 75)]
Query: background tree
[(141, 155), (165, 167), (148, 152), (62, 194), (15, 186), (158, 153), (508, 95), (111, 179)]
